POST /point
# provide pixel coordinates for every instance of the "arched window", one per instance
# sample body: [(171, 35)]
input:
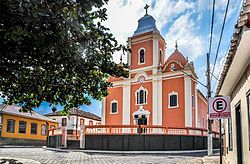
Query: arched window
[(81, 121), (114, 107), (173, 100), (160, 57), (141, 96), (90, 122), (142, 56)]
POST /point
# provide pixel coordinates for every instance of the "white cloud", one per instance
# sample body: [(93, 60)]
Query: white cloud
[(183, 30), (165, 11)]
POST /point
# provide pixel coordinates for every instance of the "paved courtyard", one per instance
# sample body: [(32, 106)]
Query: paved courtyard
[(39, 155)]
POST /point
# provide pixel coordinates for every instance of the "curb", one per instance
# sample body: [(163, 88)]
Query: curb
[(128, 152)]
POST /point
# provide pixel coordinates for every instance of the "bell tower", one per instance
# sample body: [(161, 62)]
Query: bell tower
[(147, 46)]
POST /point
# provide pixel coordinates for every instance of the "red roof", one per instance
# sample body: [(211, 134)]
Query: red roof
[(113, 79), (177, 56)]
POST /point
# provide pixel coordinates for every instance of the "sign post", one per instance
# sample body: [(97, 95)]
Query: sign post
[(219, 108)]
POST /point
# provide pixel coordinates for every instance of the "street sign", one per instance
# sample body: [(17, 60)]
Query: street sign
[(219, 107)]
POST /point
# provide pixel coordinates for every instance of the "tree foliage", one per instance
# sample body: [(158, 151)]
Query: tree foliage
[(56, 51)]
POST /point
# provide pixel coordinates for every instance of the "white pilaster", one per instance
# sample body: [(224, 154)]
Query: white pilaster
[(155, 51), (155, 103), (103, 110), (159, 101), (188, 101), (196, 108), (126, 105)]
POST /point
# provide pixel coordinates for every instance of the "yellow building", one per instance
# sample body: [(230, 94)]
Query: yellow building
[(20, 128)]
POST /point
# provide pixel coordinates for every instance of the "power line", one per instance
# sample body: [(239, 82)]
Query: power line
[(221, 34), (212, 27)]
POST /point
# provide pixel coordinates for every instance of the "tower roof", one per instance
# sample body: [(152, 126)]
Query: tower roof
[(145, 24)]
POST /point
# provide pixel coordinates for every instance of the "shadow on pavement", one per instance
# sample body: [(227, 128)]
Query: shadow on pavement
[(9, 161)]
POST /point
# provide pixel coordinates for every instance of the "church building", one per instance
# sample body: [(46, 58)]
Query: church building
[(158, 91)]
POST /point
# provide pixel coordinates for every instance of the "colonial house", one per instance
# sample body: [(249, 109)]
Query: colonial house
[(27, 129), (235, 82), (159, 91), (75, 119)]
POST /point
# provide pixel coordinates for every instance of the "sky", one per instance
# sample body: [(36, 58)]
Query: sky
[(185, 21)]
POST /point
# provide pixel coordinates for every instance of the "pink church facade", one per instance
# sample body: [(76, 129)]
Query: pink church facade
[(158, 91)]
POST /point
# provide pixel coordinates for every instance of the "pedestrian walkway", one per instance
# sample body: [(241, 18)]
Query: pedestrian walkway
[(44, 156)]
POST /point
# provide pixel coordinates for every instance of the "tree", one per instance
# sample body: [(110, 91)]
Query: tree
[(56, 51)]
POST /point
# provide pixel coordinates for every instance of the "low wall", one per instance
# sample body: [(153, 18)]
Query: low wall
[(141, 142), (23, 142), (147, 142)]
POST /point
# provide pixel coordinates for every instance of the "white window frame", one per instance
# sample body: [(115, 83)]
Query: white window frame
[(138, 91), (170, 94), (113, 101), (139, 63)]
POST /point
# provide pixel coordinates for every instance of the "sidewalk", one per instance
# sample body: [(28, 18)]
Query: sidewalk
[(213, 159)]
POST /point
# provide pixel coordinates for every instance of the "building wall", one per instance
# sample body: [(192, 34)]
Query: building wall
[(148, 45), (134, 107), (202, 112), (239, 95), (27, 135), (173, 117), (115, 93), (71, 121)]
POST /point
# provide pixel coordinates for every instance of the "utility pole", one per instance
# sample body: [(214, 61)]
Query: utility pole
[(209, 134)]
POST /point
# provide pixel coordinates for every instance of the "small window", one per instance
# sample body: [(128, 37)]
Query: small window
[(142, 56), (230, 136), (114, 106), (141, 96), (11, 126), (160, 57), (64, 121), (22, 127), (81, 121), (44, 130), (33, 128), (173, 100), (90, 122), (193, 101)]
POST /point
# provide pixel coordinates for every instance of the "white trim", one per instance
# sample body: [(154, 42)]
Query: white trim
[(170, 94), (126, 105), (103, 110), (144, 89), (155, 51), (188, 101), (113, 101), (196, 108), (138, 53)]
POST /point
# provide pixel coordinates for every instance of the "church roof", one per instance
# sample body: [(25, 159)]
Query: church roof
[(177, 56), (145, 24)]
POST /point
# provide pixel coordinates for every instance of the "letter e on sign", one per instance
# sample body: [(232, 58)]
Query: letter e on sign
[(219, 107)]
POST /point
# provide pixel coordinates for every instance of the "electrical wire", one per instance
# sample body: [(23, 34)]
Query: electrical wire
[(221, 34), (212, 27)]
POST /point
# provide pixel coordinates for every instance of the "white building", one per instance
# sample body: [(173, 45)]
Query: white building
[(70, 121), (235, 82)]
